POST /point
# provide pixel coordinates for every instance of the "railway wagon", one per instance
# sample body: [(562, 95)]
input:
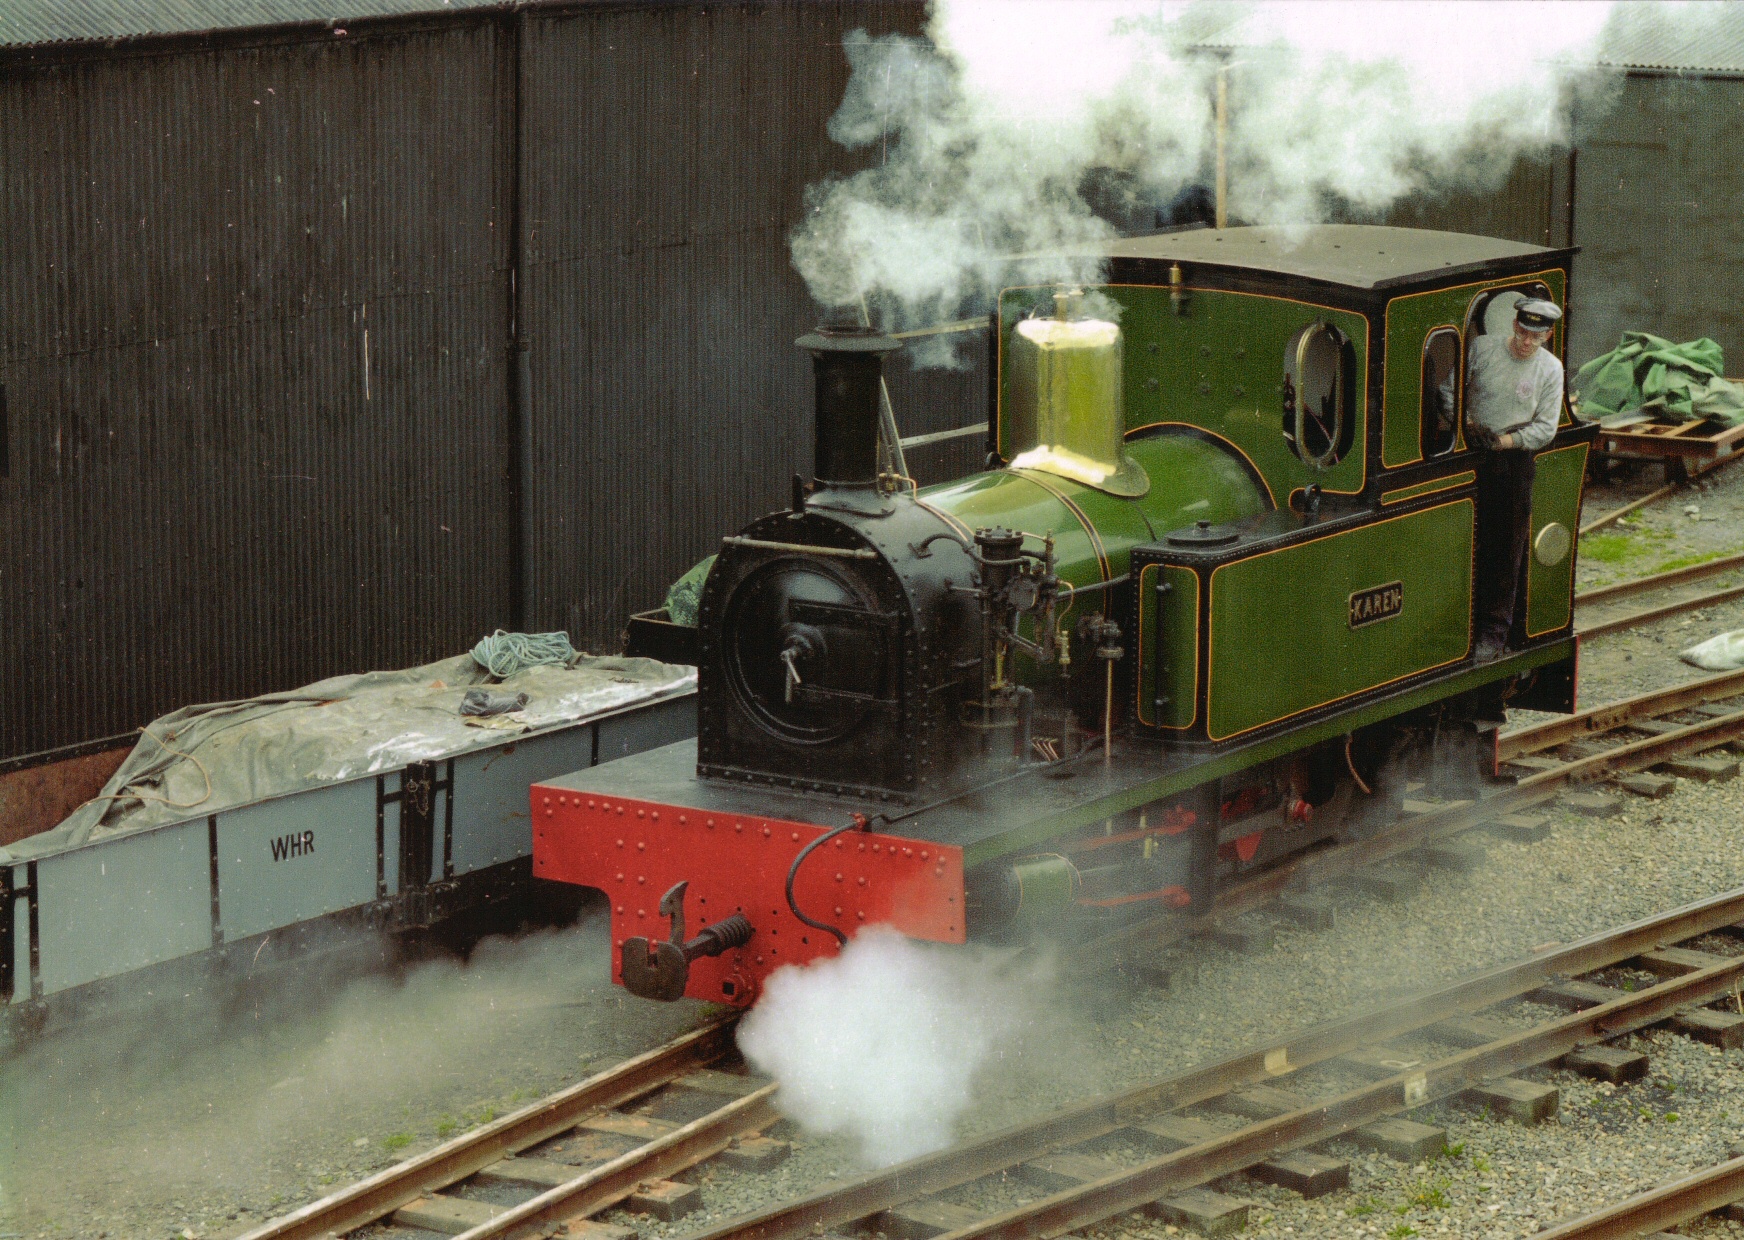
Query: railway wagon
[(1216, 582)]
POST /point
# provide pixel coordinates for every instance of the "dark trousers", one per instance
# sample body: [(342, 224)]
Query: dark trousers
[(1504, 525)]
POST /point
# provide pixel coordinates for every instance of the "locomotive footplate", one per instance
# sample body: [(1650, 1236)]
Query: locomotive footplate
[(634, 827), (720, 863)]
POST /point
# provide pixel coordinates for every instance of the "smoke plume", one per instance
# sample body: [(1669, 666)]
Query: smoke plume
[(883, 1043), (1025, 127)]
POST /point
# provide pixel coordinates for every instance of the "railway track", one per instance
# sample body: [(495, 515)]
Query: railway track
[(1713, 1189), (1604, 595), (623, 1131), (1155, 1146), (1654, 496), (618, 1136)]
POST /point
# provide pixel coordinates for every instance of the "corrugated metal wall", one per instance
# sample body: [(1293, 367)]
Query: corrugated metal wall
[(253, 305), (1656, 217), (1531, 205), (257, 350), (668, 151)]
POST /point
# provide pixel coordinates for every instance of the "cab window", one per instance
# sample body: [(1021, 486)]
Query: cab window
[(1319, 395), (1442, 383)]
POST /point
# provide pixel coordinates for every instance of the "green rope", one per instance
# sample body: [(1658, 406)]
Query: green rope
[(503, 654)]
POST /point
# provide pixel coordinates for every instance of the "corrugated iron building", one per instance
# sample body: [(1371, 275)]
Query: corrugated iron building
[(1659, 175), (335, 344)]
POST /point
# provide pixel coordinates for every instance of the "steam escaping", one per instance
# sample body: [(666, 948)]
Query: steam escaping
[(1026, 127), (883, 1043), (306, 1073)]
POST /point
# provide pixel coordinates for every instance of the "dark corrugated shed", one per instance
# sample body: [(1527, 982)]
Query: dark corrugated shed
[(257, 354), (57, 21), (669, 152), (253, 361)]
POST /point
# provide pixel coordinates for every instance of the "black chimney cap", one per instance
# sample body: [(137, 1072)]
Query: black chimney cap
[(828, 339)]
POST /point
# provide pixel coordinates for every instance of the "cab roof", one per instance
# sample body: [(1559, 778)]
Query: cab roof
[(1364, 256)]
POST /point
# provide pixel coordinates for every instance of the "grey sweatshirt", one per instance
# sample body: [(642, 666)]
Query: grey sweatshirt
[(1508, 396)]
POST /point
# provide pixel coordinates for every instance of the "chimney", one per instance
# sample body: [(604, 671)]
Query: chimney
[(848, 363)]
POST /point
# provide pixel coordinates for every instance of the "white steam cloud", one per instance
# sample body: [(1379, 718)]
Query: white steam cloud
[(883, 1043), (1026, 126)]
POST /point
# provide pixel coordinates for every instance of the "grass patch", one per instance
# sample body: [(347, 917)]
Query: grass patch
[(396, 1141), (446, 1125), (1430, 1192), (1400, 1231), (1688, 561), (1367, 1206), (1607, 548)]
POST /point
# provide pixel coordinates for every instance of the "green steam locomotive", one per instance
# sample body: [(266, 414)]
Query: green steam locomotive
[(1220, 575)]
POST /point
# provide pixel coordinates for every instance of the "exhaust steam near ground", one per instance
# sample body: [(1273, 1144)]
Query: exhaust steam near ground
[(175, 1110), (886, 1043)]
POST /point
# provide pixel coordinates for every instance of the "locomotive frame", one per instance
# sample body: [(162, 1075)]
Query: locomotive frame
[(1288, 599)]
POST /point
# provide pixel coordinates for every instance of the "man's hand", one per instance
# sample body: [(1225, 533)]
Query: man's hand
[(1480, 436)]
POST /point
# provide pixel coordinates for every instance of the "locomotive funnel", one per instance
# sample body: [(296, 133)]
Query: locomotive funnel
[(848, 363)]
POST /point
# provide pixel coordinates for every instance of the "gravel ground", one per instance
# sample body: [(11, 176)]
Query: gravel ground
[(1654, 539), (194, 1118)]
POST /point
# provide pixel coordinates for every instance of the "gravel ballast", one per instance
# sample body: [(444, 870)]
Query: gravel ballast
[(197, 1117)]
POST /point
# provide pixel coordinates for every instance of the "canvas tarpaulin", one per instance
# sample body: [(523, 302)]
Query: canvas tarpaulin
[(1670, 382), (204, 759)]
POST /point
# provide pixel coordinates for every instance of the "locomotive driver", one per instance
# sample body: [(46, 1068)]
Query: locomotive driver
[(1512, 403)]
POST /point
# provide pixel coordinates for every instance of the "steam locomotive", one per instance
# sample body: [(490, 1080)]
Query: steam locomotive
[(1219, 573)]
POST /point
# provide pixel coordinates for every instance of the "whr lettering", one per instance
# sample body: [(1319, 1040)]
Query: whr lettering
[(293, 845)]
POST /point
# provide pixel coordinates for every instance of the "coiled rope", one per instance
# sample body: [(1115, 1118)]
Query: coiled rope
[(503, 654)]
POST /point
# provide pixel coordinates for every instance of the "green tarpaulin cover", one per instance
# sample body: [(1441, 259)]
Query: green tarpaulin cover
[(1672, 382)]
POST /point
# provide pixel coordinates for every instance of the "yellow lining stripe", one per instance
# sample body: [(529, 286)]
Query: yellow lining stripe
[(1210, 652), (1573, 536), (1235, 447), (948, 518), (1387, 331), (1428, 488), (1089, 525), (1138, 681)]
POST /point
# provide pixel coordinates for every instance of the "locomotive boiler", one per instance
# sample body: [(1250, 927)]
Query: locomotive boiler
[(1220, 571)]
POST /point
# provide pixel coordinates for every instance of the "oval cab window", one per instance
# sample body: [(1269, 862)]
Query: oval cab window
[(1318, 396)]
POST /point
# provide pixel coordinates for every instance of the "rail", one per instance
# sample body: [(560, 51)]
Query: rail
[(1201, 1161), (1669, 489), (386, 1191), (1658, 1209)]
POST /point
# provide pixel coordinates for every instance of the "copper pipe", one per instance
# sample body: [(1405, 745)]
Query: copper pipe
[(1223, 147)]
